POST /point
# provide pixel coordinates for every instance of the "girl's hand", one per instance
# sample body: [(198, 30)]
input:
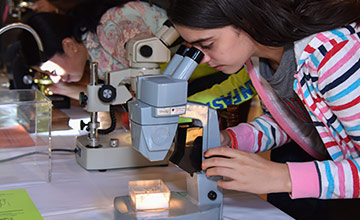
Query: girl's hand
[(225, 138), (248, 172), (71, 90)]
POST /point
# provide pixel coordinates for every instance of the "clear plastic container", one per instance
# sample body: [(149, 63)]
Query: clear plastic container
[(25, 137), (149, 194)]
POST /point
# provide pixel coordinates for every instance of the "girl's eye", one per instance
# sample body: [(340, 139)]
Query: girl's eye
[(206, 46)]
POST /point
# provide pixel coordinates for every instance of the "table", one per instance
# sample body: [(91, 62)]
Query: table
[(76, 194)]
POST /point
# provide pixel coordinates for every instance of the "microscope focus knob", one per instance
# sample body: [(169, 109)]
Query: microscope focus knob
[(107, 93), (82, 99), (84, 125)]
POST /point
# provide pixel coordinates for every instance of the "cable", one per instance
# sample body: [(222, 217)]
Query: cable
[(37, 152), (113, 123), (22, 155), (64, 150)]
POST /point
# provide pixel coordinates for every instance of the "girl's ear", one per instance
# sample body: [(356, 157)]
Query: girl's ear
[(70, 46)]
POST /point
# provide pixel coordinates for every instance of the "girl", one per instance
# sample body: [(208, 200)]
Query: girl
[(303, 57), (94, 30)]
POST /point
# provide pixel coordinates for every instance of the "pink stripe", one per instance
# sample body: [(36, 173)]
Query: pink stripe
[(352, 149), (340, 63), (324, 135), (350, 118), (341, 179), (322, 37), (311, 66), (283, 138), (353, 37), (245, 137), (338, 149), (324, 109)]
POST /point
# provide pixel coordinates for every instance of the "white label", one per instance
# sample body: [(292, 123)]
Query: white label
[(178, 110), (163, 111), (170, 111)]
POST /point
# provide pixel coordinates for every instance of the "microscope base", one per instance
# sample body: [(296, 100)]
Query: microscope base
[(107, 157), (180, 208)]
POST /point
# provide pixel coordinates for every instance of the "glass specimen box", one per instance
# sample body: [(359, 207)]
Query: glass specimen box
[(25, 137), (149, 194)]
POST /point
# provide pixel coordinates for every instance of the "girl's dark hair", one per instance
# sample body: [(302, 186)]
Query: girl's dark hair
[(53, 28), (272, 23), (86, 15)]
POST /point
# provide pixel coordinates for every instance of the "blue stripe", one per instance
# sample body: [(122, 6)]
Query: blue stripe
[(339, 128), (317, 89), (330, 179), (306, 94), (354, 128), (345, 92), (314, 60), (339, 34), (336, 155), (295, 84), (311, 114), (303, 60), (267, 134), (342, 78), (333, 132), (311, 87)]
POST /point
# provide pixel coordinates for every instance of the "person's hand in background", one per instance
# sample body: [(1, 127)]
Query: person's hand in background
[(72, 90), (44, 6)]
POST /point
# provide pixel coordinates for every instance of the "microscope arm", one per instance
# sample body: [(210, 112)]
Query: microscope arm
[(144, 55)]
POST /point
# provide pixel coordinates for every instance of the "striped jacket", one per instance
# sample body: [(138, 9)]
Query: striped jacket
[(328, 83)]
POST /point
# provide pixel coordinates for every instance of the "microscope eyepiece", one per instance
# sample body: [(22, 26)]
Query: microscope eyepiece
[(176, 60), (182, 50), (168, 23), (195, 54)]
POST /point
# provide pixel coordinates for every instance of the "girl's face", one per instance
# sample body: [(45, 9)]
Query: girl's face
[(61, 68), (226, 49), (67, 67)]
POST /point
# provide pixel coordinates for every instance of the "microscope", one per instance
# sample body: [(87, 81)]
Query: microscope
[(103, 149), (16, 8), (154, 122)]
